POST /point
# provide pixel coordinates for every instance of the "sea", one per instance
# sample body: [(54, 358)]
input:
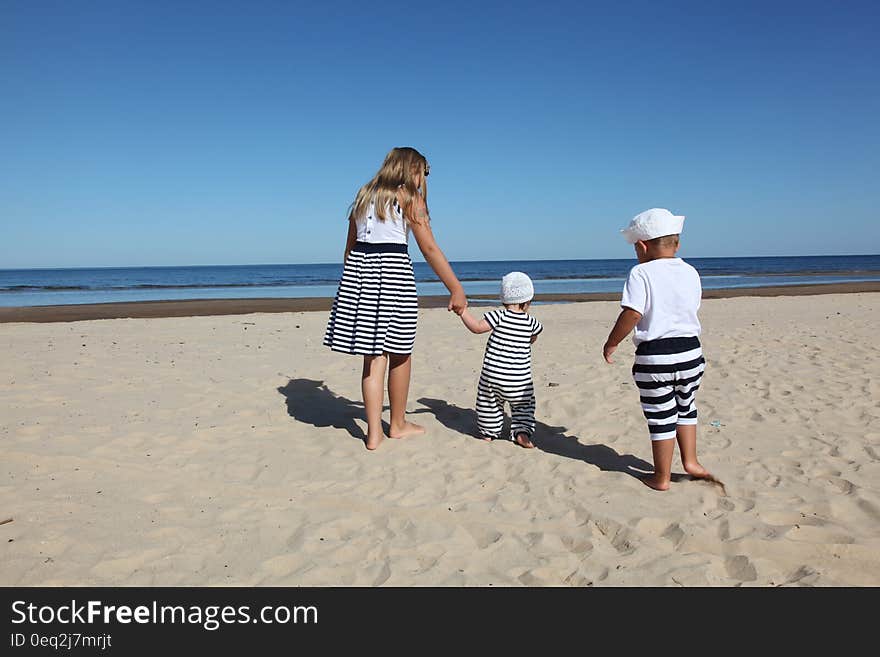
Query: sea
[(41, 287)]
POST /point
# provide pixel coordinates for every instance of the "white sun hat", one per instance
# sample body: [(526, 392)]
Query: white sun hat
[(652, 223), (516, 287)]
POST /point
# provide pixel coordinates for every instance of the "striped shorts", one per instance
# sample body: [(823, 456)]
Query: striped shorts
[(376, 308), (668, 372)]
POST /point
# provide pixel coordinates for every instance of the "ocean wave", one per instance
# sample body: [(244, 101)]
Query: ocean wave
[(48, 288), (572, 277), (809, 272), (260, 284), (159, 286)]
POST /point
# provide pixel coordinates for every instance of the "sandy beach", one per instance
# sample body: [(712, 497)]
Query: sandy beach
[(226, 449)]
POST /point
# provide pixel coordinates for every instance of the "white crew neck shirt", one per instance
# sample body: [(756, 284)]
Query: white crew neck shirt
[(667, 293), (394, 229)]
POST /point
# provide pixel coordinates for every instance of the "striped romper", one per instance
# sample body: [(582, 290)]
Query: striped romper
[(376, 308), (669, 359), (507, 374)]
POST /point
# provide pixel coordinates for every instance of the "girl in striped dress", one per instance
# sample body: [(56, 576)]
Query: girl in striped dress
[(375, 312)]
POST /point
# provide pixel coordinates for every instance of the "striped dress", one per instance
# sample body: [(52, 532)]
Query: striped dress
[(376, 308), (507, 374)]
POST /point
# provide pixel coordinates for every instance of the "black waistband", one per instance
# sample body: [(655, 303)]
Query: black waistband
[(380, 247), (667, 346)]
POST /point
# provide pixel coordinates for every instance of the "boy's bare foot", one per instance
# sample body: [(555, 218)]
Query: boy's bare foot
[(522, 439), (651, 481), (408, 429), (372, 443), (488, 439), (697, 471)]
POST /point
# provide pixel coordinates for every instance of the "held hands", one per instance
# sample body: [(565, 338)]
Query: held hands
[(457, 302), (607, 350)]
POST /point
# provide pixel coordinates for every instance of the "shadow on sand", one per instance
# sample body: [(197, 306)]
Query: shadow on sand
[(314, 403), (547, 439)]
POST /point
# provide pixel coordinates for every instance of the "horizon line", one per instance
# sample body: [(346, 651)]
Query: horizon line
[(286, 264)]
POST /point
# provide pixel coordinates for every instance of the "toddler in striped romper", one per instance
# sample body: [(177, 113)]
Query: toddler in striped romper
[(660, 301), (507, 363)]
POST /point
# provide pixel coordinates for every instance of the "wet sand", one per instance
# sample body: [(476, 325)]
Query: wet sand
[(212, 307)]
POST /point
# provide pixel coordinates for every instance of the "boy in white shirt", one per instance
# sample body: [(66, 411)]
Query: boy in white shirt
[(660, 301)]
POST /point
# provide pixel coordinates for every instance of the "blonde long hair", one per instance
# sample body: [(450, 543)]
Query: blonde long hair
[(394, 181)]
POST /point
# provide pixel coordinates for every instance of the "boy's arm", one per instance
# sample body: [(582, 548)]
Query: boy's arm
[(624, 325), (474, 325)]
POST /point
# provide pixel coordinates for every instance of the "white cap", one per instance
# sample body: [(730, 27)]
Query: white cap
[(516, 287), (652, 223)]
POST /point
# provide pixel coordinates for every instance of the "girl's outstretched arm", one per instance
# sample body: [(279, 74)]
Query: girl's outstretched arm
[(421, 227), (474, 325)]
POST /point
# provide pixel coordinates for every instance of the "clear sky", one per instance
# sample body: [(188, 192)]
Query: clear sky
[(173, 133)]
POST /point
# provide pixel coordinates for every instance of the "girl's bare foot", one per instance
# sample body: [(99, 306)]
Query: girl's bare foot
[(522, 439), (408, 429), (651, 481), (372, 442)]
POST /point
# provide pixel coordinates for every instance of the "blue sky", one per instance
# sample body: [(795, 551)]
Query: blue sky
[(173, 133)]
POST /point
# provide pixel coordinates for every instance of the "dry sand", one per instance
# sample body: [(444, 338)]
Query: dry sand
[(226, 450)]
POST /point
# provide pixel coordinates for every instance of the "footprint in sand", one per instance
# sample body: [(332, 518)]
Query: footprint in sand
[(577, 545), (483, 536), (383, 575), (803, 576), (869, 508), (674, 534), (818, 535), (839, 484), (620, 538), (740, 568)]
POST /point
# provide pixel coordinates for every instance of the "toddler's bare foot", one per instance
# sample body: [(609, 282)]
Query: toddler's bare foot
[(651, 481), (408, 429), (522, 439), (488, 439)]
